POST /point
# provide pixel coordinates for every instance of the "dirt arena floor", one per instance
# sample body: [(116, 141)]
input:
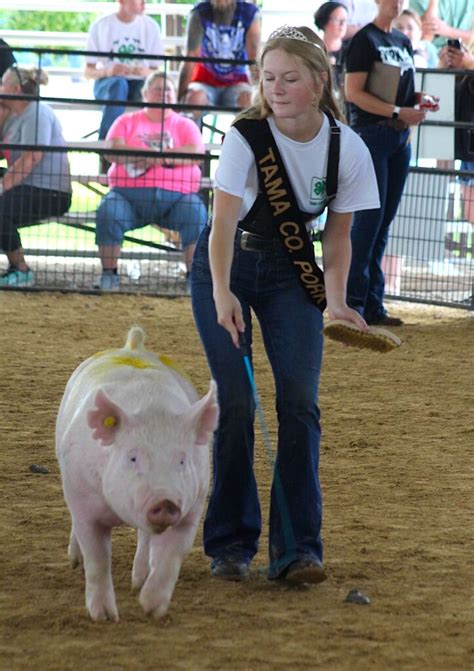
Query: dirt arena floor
[(396, 468)]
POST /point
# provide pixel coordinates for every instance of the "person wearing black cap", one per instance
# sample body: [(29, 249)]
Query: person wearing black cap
[(331, 19)]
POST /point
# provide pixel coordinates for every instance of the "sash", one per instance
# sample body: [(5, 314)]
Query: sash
[(276, 187)]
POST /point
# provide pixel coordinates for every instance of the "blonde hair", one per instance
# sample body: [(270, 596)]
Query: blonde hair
[(28, 79), (153, 76), (313, 53), (412, 15)]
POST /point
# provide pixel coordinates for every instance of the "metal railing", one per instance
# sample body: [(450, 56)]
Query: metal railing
[(429, 257)]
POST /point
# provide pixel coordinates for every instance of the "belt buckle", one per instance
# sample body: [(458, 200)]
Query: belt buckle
[(244, 240)]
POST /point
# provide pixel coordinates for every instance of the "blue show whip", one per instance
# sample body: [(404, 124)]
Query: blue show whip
[(256, 397), (287, 527)]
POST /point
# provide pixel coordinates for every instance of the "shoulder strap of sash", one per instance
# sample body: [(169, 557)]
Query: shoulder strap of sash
[(332, 174)]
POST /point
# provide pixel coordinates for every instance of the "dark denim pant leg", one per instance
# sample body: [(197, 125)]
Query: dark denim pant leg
[(289, 323), (233, 521), (291, 327), (390, 154)]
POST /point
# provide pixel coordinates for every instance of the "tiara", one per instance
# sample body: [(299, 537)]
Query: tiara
[(290, 33)]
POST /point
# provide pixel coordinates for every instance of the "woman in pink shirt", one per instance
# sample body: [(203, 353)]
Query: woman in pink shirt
[(149, 190)]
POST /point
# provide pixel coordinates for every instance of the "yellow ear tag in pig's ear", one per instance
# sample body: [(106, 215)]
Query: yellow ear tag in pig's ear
[(109, 422)]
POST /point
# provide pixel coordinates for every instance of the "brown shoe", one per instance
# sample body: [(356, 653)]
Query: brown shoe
[(305, 571), (385, 320), (230, 569)]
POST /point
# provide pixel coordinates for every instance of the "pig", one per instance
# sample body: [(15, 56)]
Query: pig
[(132, 443)]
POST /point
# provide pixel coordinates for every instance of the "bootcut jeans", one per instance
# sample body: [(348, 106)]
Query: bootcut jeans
[(390, 151), (266, 283)]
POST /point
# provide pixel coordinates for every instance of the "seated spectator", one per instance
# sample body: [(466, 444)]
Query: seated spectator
[(7, 59), (36, 184), (148, 190), (128, 31), (360, 13), (449, 19), (220, 29), (331, 18), (425, 54)]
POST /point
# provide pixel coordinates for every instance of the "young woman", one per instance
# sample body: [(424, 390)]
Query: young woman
[(36, 184), (425, 54), (331, 18), (241, 265), (385, 128), (151, 190)]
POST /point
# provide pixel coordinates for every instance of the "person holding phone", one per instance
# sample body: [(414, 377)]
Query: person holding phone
[(451, 20), (456, 56)]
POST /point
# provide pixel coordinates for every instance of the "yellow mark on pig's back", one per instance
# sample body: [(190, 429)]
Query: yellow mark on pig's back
[(170, 363), (133, 361)]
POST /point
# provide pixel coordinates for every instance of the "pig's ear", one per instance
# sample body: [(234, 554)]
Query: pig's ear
[(205, 414), (105, 419)]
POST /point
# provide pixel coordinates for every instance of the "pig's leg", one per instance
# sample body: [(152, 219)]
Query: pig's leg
[(96, 547), (74, 551), (141, 563), (167, 552)]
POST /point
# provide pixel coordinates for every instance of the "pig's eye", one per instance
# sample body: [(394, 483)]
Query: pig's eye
[(182, 461), (133, 459)]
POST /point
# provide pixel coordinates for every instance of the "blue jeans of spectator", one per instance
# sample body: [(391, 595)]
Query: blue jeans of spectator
[(265, 282), (115, 88), (390, 151), (226, 96), (126, 208)]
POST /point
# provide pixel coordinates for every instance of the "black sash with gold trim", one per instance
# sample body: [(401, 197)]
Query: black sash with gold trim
[(287, 217)]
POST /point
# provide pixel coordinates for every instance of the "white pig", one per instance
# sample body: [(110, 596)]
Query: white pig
[(132, 442)]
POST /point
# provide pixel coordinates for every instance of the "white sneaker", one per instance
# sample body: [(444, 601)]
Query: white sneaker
[(17, 278), (109, 282)]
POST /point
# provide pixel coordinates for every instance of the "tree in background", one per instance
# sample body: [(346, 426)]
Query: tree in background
[(73, 22)]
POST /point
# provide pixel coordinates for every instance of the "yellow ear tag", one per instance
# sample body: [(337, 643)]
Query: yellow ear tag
[(109, 422)]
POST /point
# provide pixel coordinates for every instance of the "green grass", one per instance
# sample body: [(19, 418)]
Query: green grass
[(52, 236)]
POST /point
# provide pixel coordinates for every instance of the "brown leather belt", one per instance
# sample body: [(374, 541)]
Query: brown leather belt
[(252, 242), (398, 124), (256, 243)]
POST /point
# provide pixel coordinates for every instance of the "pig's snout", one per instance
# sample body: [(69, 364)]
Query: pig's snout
[(163, 514)]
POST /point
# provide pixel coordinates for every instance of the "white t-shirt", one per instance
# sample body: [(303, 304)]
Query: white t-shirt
[(306, 165), (142, 35)]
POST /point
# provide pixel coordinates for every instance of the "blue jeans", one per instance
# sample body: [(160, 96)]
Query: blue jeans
[(225, 96), (115, 88), (291, 326), (390, 151), (126, 208)]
